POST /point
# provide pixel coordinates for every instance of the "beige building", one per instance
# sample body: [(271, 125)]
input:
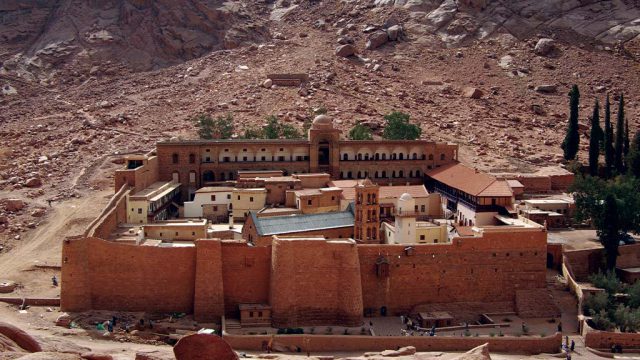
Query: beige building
[(245, 200), (407, 230), (176, 230), (153, 203), (311, 201), (427, 205)]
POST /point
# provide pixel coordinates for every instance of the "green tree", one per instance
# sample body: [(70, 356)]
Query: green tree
[(219, 128), (619, 147), (360, 132), (626, 139), (607, 281), (596, 303), (610, 233), (626, 319), (595, 140), (253, 133), (608, 139), (600, 321), (272, 130), (288, 131), (633, 158), (398, 127), (571, 142), (634, 295)]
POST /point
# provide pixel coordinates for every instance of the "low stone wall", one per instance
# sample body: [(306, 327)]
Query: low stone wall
[(316, 343), (597, 339)]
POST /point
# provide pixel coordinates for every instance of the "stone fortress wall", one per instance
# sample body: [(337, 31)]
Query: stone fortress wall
[(306, 281)]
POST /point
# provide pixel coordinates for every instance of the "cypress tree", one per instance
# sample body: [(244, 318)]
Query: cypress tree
[(633, 159), (609, 236), (572, 139), (619, 161), (608, 139), (626, 138), (594, 141)]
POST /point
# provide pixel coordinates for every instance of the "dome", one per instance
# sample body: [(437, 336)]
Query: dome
[(322, 122), (406, 197)]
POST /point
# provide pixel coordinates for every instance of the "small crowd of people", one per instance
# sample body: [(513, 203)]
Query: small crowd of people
[(109, 325)]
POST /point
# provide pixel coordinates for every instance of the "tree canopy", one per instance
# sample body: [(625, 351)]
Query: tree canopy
[(398, 127), (219, 128), (571, 142), (360, 132)]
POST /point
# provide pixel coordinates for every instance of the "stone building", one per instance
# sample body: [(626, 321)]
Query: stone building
[(199, 163)]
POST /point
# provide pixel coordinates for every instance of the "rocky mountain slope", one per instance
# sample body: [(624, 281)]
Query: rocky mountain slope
[(82, 81)]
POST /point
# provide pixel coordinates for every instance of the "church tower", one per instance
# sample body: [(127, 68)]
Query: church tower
[(367, 213)]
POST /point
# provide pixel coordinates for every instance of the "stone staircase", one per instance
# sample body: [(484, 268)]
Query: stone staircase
[(536, 303)]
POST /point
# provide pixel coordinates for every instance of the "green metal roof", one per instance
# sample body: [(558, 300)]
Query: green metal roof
[(276, 225)]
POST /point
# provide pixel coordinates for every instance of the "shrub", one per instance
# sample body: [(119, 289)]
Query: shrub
[(608, 281), (360, 132), (634, 295), (626, 319), (596, 303), (600, 321), (329, 330), (253, 133), (399, 128), (219, 128), (275, 130)]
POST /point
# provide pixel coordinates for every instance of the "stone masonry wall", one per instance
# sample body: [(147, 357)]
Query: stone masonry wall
[(315, 282), (488, 269)]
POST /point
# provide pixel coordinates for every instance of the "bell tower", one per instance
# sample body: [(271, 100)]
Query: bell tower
[(324, 151), (367, 213)]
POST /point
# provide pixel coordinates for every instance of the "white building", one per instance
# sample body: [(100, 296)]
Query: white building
[(209, 202)]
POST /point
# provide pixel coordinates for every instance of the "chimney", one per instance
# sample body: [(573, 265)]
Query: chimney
[(230, 221)]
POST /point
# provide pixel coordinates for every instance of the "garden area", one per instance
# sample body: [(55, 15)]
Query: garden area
[(617, 308)]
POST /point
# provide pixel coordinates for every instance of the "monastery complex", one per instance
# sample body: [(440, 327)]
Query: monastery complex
[(320, 231)]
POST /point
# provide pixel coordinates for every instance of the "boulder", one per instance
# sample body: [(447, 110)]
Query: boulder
[(39, 212), (546, 88), (267, 83), (63, 320), (33, 182), (21, 338), (394, 32), (203, 346), (545, 47), (472, 93), (407, 350), (7, 286), (478, 353), (13, 205), (96, 356), (344, 40), (377, 39), (345, 50), (152, 355)]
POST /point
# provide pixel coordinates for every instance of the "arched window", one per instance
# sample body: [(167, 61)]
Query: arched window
[(401, 155), (410, 173), (345, 157), (366, 156), (417, 173), (377, 156), (424, 156), (175, 158), (349, 175), (393, 174), (222, 177), (384, 156), (341, 175), (375, 175), (442, 157), (192, 158), (208, 176), (430, 156), (393, 156), (359, 175), (231, 175), (366, 174), (400, 173), (359, 156), (415, 156), (384, 174)]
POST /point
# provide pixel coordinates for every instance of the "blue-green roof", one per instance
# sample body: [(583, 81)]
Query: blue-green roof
[(276, 225)]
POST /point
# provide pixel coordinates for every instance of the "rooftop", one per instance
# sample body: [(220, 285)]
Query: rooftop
[(471, 181), (274, 225), (386, 192), (155, 191), (212, 189)]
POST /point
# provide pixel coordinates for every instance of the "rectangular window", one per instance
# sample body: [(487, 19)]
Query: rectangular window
[(176, 233), (250, 198), (308, 202), (263, 158), (251, 314), (228, 196), (161, 234), (421, 237), (213, 198), (207, 159), (139, 210), (193, 233), (423, 208), (244, 158), (238, 197), (260, 314), (208, 150)]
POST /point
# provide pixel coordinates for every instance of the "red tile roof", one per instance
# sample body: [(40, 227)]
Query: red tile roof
[(471, 181)]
